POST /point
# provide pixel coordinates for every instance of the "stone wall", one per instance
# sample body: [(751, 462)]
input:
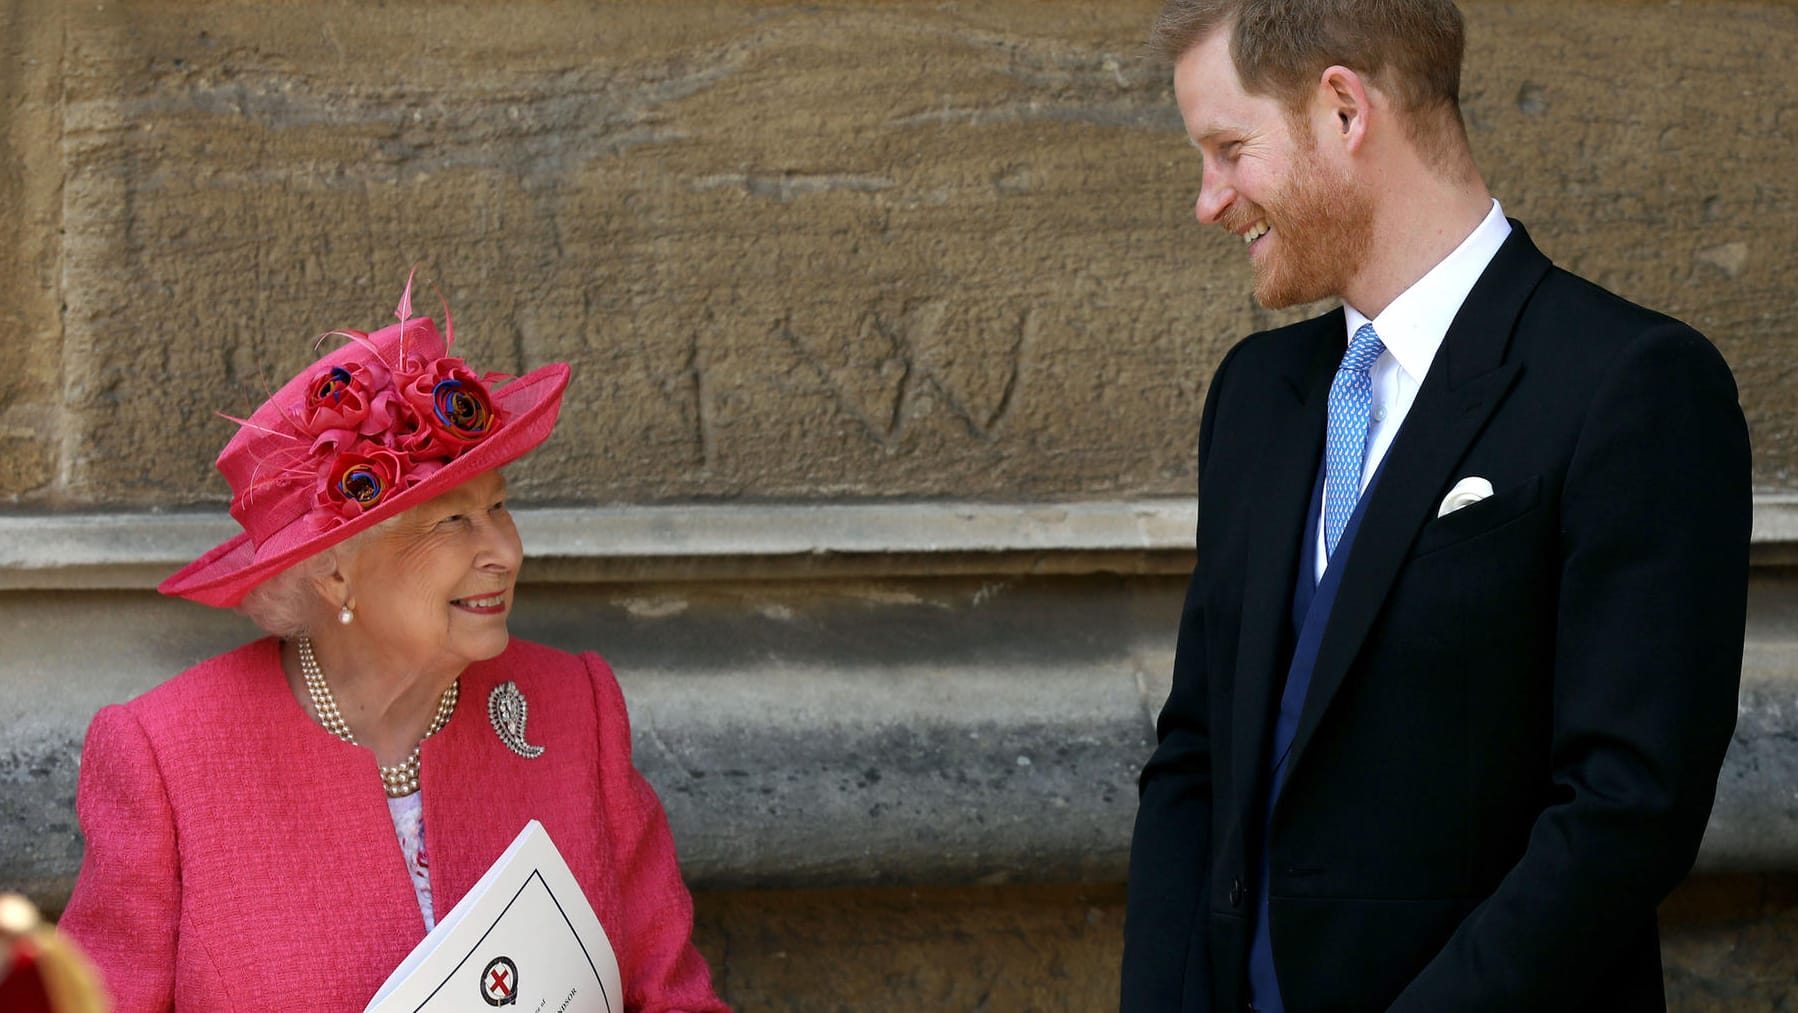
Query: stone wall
[(808, 260), (793, 251)]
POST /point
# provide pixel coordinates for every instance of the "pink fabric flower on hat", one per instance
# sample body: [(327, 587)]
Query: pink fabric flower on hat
[(357, 396), (376, 431), (453, 407), (359, 479)]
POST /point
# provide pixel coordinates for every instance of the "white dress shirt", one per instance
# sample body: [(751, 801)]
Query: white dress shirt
[(1412, 327)]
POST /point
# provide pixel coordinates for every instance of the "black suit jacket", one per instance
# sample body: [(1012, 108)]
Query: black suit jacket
[(1511, 741)]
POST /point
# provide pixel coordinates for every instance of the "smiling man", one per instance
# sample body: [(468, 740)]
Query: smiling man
[(1458, 662)]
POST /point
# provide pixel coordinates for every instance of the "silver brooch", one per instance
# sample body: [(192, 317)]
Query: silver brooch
[(507, 709)]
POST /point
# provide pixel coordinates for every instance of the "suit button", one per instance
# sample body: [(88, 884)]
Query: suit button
[(1236, 891)]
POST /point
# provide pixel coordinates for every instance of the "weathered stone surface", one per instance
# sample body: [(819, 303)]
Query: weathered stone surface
[(1627, 137), (1756, 810), (872, 249), (1044, 949), (1727, 943), (37, 783), (780, 267), (30, 240), (1730, 944)]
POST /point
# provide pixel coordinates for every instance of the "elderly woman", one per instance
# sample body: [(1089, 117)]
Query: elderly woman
[(278, 827)]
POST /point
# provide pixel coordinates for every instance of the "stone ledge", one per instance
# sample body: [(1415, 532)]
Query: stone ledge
[(700, 541), (754, 541)]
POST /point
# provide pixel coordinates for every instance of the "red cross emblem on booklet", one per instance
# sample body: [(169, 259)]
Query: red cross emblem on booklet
[(499, 982)]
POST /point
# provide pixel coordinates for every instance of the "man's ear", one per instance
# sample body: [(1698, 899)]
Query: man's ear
[(1345, 100)]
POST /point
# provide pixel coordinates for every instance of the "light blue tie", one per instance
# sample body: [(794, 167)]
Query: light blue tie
[(1351, 398)]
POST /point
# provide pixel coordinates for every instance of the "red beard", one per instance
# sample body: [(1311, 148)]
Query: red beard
[(1321, 228)]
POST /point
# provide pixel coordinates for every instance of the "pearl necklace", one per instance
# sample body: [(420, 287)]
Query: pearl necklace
[(401, 779)]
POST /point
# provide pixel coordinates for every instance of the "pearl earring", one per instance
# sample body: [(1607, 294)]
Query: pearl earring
[(345, 616)]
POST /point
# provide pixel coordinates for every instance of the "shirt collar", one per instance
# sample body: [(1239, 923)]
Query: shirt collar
[(1413, 325)]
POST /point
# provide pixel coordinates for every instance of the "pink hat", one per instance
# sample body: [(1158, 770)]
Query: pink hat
[(375, 428)]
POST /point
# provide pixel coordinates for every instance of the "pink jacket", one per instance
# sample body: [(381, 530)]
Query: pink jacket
[(240, 857)]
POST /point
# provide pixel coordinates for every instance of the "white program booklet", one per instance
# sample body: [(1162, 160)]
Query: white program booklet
[(524, 939)]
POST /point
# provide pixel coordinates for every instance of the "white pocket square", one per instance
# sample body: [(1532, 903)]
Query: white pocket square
[(1467, 491)]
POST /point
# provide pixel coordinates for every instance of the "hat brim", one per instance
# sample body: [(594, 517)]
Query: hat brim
[(225, 574)]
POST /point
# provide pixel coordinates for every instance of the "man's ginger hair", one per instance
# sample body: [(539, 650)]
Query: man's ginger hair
[(1410, 50)]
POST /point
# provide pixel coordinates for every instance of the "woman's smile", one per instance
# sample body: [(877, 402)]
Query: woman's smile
[(489, 605)]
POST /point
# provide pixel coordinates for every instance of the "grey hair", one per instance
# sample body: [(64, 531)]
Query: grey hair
[(287, 604)]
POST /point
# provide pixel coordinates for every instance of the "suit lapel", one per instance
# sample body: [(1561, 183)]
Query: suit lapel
[(1280, 496), (1469, 379)]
